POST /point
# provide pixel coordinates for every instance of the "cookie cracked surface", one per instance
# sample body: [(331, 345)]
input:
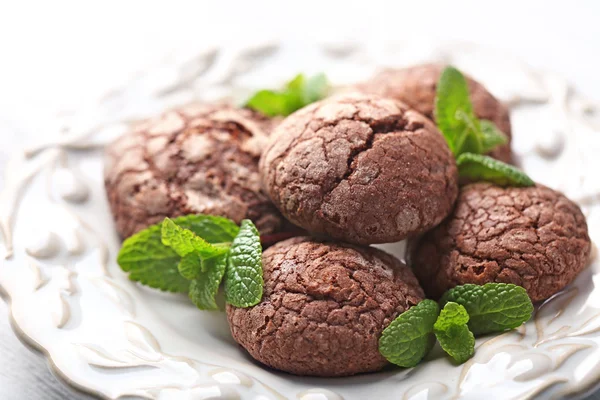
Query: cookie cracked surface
[(416, 86), (195, 159), (532, 237), (324, 307), (360, 168)]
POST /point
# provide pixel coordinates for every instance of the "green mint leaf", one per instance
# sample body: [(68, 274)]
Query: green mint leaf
[(298, 93), (493, 307), (151, 263), (454, 113), (452, 332), (410, 336), (458, 342), (244, 275), (492, 137), (270, 103), (296, 84), (212, 228), (190, 266), (205, 286), (478, 167), (294, 93), (451, 314), (184, 241), (315, 89), (470, 140)]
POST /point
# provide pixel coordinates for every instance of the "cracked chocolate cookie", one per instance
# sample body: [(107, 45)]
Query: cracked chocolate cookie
[(324, 307), (416, 86), (532, 237), (196, 159), (360, 168)]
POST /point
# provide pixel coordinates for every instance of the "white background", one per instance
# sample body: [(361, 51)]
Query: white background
[(58, 54)]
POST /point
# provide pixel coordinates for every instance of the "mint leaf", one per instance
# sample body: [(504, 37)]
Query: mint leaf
[(205, 286), (478, 167), (298, 93), (410, 336), (470, 140), (190, 266), (151, 263), (452, 332), (458, 342), (492, 137), (493, 307), (212, 228), (184, 241), (244, 275), (194, 253), (315, 88), (454, 113), (294, 93), (451, 314), (271, 103)]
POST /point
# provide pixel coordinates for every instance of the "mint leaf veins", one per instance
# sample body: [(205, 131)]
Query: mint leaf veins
[(493, 307), (452, 332), (478, 167), (192, 254), (410, 336), (297, 93), (454, 113), (153, 264), (243, 277), (205, 264), (470, 138), (205, 285), (185, 241)]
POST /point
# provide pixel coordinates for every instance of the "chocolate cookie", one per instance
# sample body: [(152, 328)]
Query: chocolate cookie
[(416, 86), (532, 237), (324, 307), (196, 159), (360, 168)]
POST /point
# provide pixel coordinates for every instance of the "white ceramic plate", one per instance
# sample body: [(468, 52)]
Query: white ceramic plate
[(111, 337)]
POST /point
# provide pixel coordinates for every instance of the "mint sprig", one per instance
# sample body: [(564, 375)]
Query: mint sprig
[(297, 93), (493, 307), (410, 336), (468, 137), (454, 113), (468, 310), (453, 334), (477, 167), (150, 262), (192, 254)]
